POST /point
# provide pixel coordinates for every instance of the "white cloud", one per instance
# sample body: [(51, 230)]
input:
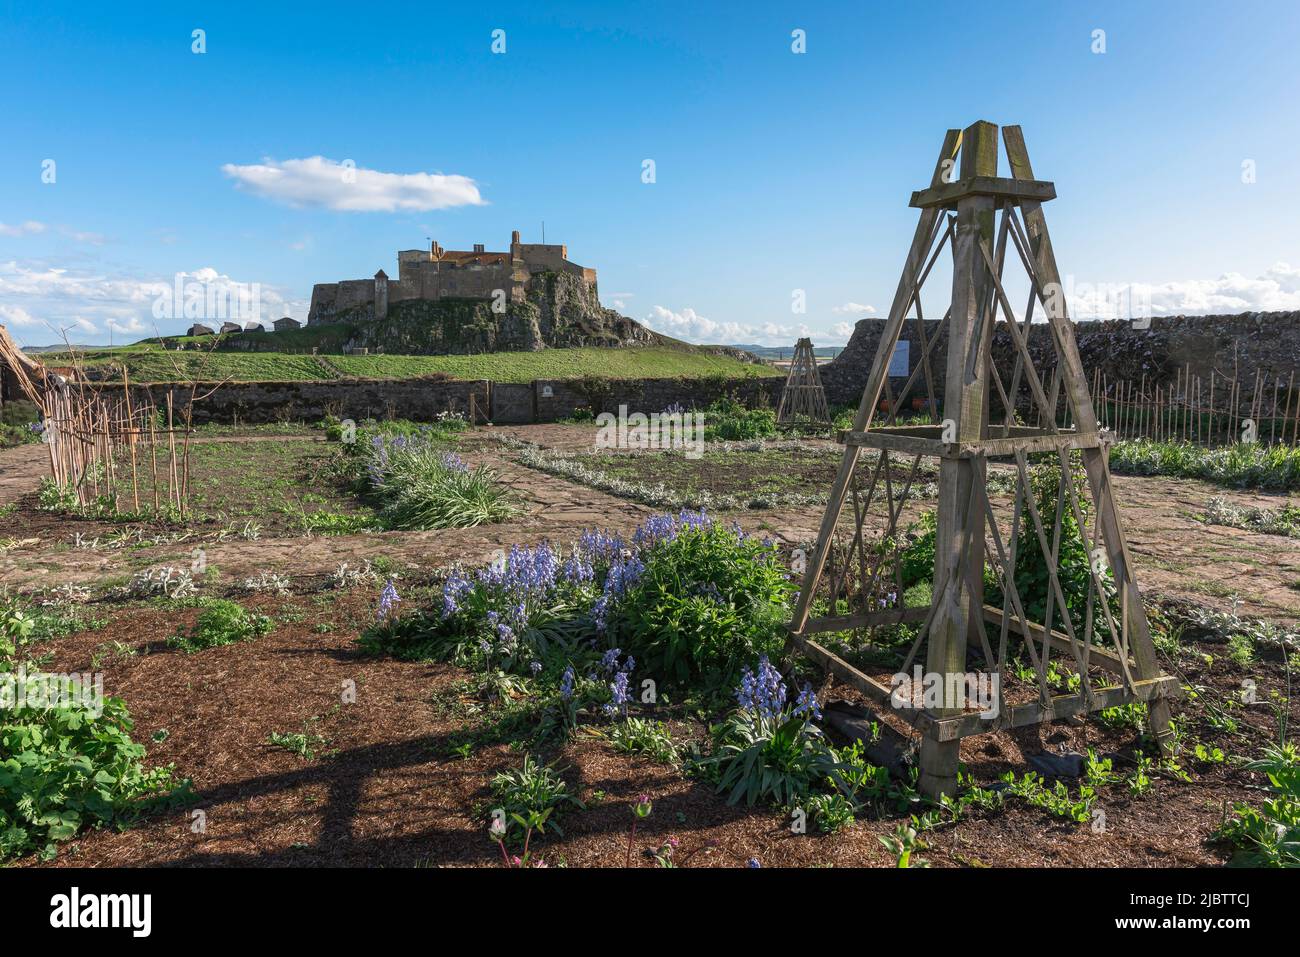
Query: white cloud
[(691, 326), (38, 294), (852, 307), (132, 327), (16, 316), (317, 181), (1277, 290), (843, 330), (29, 228)]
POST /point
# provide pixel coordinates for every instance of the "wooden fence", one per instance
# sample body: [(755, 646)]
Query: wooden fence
[(1222, 410)]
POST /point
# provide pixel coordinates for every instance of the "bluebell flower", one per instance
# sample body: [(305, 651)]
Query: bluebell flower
[(763, 692), (566, 683), (619, 695), (806, 704), (387, 599), (456, 588)]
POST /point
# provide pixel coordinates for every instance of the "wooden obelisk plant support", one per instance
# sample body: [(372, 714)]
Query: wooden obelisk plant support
[(983, 219), (803, 400)]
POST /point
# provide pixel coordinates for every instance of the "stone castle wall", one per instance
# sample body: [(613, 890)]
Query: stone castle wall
[(420, 276), (1242, 345), (422, 400)]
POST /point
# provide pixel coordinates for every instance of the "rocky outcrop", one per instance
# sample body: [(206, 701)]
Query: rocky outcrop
[(560, 311)]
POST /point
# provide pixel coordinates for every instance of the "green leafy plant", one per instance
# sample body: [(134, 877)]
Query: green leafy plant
[(903, 844), (1269, 836), (222, 622), (728, 419), (64, 768), (708, 601), (302, 743), (643, 736), (770, 750), (418, 484), (831, 812), (533, 789), (1055, 800)]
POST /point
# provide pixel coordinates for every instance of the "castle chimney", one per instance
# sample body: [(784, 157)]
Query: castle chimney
[(514, 238), (478, 247)]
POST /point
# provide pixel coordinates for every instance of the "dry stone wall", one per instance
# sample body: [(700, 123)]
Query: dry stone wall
[(1242, 345)]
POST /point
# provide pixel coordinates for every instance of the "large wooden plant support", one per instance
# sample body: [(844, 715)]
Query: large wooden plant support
[(984, 219), (803, 400)]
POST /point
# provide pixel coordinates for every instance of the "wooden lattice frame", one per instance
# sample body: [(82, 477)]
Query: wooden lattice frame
[(803, 400), (962, 213)]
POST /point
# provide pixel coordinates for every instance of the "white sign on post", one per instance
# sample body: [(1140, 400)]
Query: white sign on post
[(898, 362)]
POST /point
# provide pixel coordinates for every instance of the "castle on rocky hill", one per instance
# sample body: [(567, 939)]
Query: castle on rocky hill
[(438, 273)]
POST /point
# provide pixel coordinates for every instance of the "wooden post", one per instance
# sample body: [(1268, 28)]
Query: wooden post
[(959, 543)]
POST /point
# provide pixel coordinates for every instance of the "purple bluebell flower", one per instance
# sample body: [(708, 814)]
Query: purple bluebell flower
[(453, 462), (763, 692), (597, 546), (806, 704), (578, 570), (535, 667), (566, 683), (619, 695), (456, 588), (387, 599)]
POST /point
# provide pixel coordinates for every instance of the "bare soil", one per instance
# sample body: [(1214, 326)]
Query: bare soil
[(386, 790)]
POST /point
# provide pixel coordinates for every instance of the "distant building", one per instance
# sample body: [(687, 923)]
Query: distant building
[(437, 273), (200, 330), (230, 327), (254, 327), (287, 323)]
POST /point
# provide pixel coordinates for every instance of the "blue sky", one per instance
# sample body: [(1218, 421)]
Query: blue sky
[(775, 171)]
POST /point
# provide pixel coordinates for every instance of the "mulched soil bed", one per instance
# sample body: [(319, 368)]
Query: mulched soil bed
[(385, 790)]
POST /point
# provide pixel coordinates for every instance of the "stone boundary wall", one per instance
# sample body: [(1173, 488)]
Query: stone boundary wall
[(1267, 343), (422, 400)]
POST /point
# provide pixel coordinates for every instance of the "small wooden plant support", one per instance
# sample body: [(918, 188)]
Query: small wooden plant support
[(984, 219), (803, 400)]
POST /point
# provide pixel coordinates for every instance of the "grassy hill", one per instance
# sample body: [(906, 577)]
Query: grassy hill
[(149, 362)]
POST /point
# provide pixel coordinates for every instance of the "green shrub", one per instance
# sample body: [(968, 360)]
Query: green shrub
[(729, 420), (708, 601), (532, 789), (419, 484), (644, 736), (1269, 836), (1073, 560), (20, 423), (222, 622), (68, 767)]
